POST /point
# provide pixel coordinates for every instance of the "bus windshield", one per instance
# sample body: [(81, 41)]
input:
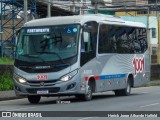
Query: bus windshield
[(51, 43)]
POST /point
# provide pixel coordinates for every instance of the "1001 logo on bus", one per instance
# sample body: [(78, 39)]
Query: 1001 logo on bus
[(138, 64)]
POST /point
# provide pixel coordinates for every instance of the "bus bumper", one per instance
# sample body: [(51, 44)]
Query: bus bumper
[(69, 88)]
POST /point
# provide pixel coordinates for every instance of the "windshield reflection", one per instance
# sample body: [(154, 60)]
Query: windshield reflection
[(50, 43)]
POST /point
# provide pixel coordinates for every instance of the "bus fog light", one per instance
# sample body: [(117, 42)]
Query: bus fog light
[(17, 88), (71, 86)]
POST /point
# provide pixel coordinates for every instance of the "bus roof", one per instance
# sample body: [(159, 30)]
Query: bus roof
[(81, 19)]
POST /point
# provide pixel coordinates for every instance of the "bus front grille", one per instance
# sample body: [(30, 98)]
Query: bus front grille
[(42, 83), (50, 90)]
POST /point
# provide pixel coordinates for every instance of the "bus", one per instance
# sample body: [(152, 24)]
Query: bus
[(80, 55)]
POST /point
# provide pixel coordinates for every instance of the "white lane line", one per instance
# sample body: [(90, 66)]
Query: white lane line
[(20, 109), (150, 105), (85, 118), (144, 92)]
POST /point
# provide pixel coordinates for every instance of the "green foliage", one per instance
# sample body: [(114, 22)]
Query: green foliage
[(6, 61), (6, 81), (153, 83)]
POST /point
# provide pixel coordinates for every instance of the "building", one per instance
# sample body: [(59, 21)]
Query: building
[(129, 2)]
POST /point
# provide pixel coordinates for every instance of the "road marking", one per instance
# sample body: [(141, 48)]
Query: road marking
[(144, 92), (85, 118), (20, 109), (150, 105)]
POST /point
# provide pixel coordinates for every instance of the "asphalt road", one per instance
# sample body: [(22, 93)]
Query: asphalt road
[(141, 99)]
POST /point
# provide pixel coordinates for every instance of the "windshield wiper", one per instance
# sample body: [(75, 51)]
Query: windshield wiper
[(35, 56), (53, 53)]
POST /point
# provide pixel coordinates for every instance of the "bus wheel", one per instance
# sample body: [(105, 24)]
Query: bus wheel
[(126, 91), (34, 99), (88, 95)]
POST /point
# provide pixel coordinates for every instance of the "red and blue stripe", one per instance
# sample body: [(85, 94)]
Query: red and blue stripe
[(106, 77)]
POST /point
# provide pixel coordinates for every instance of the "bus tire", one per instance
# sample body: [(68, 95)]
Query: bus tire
[(88, 95), (126, 91), (33, 99)]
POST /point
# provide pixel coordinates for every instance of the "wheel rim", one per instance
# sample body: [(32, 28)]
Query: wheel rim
[(128, 88), (89, 92)]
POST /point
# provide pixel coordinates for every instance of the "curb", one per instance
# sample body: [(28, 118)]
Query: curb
[(10, 98), (8, 95)]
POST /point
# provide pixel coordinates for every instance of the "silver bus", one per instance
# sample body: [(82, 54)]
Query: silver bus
[(80, 55)]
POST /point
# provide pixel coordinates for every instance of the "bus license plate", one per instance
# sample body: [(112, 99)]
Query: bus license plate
[(42, 91)]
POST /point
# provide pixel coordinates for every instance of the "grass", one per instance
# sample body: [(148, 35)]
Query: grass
[(153, 83), (6, 61), (6, 81)]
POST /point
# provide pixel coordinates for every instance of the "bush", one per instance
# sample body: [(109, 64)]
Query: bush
[(152, 83), (6, 61), (6, 81)]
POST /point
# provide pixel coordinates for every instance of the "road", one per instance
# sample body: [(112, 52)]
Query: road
[(141, 99)]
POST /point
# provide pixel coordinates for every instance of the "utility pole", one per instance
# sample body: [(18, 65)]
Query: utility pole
[(74, 6), (80, 8), (156, 7), (148, 12), (49, 9), (84, 6), (148, 35), (25, 10), (96, 8), (1, 31)]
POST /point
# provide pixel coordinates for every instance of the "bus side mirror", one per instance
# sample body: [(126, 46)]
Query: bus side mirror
[(86, 39), (18, 31), (85, 36), (87, 28), (17, 35)]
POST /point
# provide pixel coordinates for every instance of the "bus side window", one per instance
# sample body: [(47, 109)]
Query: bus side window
[(88, 41)]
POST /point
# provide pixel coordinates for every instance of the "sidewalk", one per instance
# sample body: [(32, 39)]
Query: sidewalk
[(8, 95)]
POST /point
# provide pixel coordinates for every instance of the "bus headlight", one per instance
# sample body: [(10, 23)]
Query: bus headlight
[(69, 75), (20, 79)]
